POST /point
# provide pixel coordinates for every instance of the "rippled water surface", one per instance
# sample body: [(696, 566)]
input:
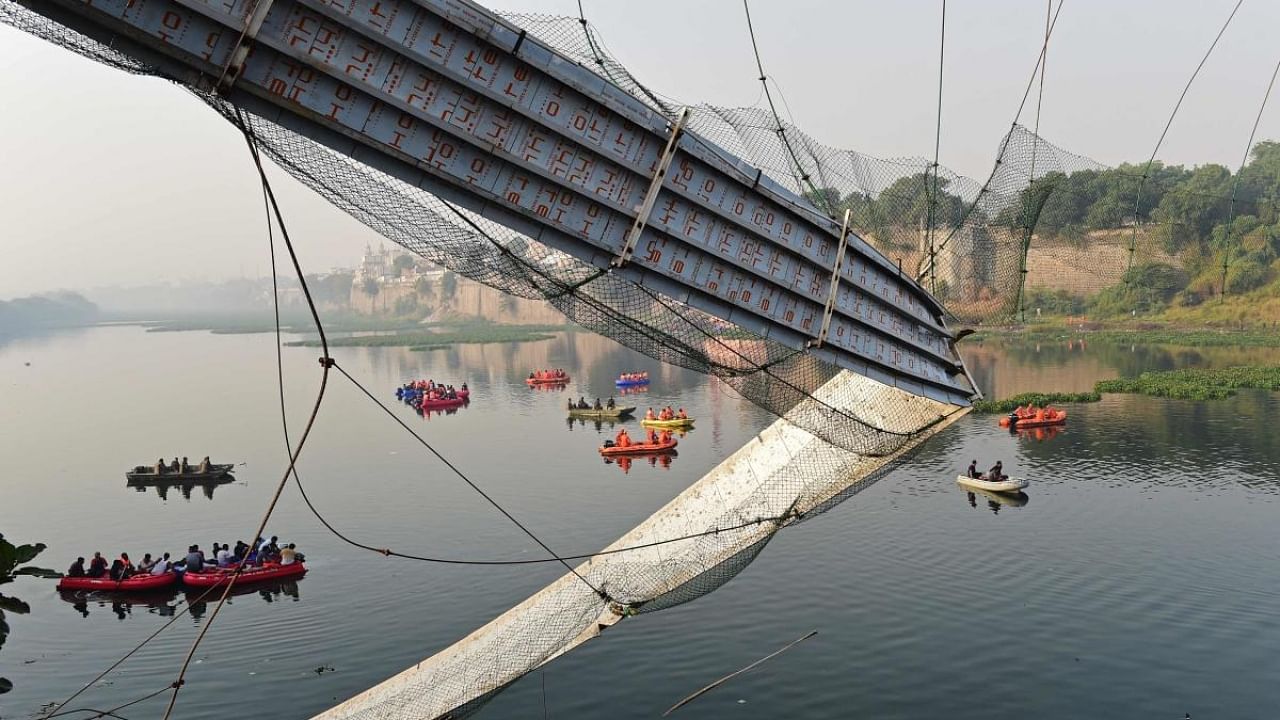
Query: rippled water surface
[(1138, 577)]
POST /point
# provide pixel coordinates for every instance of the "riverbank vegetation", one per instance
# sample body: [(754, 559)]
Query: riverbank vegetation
[(444, 335), (1033, 399), (1197, 383)]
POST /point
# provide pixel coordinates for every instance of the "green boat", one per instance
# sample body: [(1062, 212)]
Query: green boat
[(603, 414)]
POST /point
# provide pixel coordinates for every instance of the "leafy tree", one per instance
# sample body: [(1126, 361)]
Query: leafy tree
[(1192, 209), (370, 287), (402, 263), (13, 562)]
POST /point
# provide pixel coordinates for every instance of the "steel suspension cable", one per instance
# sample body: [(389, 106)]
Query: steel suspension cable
[(937, 150), (1235, 186), (1027, 222), (1146, 171), (326, 362), (799, 171), (1004, 144)]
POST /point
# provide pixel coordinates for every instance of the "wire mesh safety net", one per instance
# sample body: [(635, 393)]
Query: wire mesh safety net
[(837, 431)]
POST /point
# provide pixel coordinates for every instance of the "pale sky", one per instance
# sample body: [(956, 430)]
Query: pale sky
[(111, 179)]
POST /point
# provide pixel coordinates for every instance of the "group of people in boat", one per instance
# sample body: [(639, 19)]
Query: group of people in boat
[(431, 390), (556, 375), (1031, 412), (581, 404), (634, 377), (666, 413), (652, 437), (221, 556), (995, 474), (180, 468)]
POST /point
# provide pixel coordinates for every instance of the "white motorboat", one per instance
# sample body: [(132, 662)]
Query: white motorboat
[(1007, 485)]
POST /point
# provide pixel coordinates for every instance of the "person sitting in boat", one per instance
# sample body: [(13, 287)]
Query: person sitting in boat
[(162, 565), (145, 565), (117, 570), (129, 569), (160, 466), (241, 547), (195, 559), (185, 466), (533, 376), (269, 550), (204, 464), (622, 439), (288, 554), (611, 404), (598, 406), (665, 414), (177, 467), (652, 437), (996, 473), (97, 566), (572, 405), (77, 568), (682, 414), (649, 415), (973, 470), (223, 556)]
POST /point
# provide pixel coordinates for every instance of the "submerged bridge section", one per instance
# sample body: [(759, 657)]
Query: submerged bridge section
[(446, 96)]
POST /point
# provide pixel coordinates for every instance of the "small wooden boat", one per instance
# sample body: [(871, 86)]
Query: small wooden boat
[(673, 423), (193, 473), (222, 576), (603, 413), (640, 448), (1002, 486), (137, 583)]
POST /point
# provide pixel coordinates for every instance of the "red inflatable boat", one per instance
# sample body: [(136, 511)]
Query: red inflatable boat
[(221, 576), (135, 583), (639, 448)]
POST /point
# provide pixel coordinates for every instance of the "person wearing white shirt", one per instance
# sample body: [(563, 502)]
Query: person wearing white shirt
[(161, 566), (223, 556)]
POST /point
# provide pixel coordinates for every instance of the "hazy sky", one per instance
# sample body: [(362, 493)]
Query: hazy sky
[(107, 178)]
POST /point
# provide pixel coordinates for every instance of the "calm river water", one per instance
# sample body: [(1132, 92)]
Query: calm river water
[(1140, 577)]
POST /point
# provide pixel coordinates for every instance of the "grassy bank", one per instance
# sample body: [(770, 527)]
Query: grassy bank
[(1145, 335), (1196, 384), (1035, 399), (234, 324), (448, 335)]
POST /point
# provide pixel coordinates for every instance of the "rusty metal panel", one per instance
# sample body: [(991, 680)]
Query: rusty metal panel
[(444, 95)]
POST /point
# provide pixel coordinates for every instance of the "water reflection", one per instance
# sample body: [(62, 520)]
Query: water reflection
[(995, 501), (122, 604), (624, 462), (162, 487), (1039, 434), (273, 591)]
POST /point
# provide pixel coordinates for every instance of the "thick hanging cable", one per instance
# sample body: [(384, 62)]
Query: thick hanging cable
[(326, 362), (1146, 171), (818, 198), (1248, 147), (937, 150), (1028, 224), (1004, 144)]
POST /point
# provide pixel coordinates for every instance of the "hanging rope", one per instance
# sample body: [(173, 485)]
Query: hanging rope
[(1235, 186), (1146, 171)]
